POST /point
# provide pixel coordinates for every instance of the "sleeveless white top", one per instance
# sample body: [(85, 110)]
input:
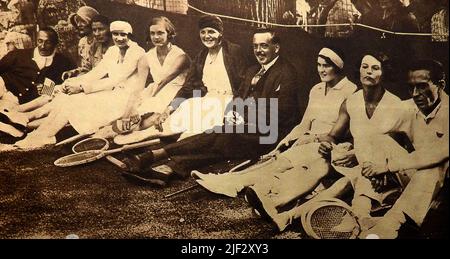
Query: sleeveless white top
[(159, 71), (389, 116)]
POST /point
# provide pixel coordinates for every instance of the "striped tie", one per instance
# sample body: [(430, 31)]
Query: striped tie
[(258, 76)]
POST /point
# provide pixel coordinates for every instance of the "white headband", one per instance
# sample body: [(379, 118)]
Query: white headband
[(326, 52), (121, 26)]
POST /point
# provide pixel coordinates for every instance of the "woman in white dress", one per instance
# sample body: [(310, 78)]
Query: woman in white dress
[(212, 81), (168, 65), (369, 113), (96, 98)]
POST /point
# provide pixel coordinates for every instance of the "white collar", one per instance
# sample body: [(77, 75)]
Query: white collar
[(270, 64), (36, 54), (432, 115), (338, 86), (42, 61)]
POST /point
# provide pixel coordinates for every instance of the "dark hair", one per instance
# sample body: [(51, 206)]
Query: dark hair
[(52, 34), (101, 19), (386, 64), (436, 69), (275, 37)]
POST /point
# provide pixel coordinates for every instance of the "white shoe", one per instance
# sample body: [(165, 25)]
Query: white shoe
[(201, 176), (219, 187), (35, 142), (281, 220)]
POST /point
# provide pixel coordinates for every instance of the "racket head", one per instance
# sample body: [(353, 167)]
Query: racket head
[(79, 158), (320, 219), (91, 144)]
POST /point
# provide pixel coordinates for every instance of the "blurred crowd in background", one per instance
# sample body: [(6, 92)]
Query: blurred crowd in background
[(392, 15), (19, 19)]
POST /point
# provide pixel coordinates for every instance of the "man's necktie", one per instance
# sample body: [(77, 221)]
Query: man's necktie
[(258, 76)]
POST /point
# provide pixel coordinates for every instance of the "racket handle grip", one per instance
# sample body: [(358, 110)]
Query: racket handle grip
[(142, 144), (116, 162)]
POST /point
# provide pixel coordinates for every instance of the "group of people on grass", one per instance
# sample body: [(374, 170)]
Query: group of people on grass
[(220, 109)]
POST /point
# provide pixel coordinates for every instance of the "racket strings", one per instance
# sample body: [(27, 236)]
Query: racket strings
[(91, 144), (78, 158), (324, 219)]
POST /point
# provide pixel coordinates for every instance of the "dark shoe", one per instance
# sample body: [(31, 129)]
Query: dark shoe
[(150, 176), (133, 164), (252, 198), (262, 204)]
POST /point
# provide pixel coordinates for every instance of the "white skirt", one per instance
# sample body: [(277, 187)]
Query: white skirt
[(89, 112), (159, 102)]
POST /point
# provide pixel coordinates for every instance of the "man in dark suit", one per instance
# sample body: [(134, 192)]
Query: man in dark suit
[(264, 110), (23, 72)]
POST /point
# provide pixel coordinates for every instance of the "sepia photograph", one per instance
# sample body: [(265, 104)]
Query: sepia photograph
[(224, 120)]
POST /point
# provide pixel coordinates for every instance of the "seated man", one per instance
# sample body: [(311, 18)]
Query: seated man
[(421, 172), (271, 83), (23, 73), (36, 110), (321, 114), (364, 114)]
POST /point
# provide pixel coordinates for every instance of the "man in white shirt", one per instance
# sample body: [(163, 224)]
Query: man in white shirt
[(421, 172)]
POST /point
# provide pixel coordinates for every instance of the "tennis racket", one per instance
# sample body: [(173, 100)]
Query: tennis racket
[(72, 139), (91, 144), (93, 155), (324, 219)]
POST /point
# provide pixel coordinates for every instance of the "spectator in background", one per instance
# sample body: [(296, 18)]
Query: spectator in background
[(101, 42), (81, 21), (365, 6), (343, 11), (55, 13), (439, 22), (174, 6), (390, 15), (26, 18), (15, 40), (319, 14)]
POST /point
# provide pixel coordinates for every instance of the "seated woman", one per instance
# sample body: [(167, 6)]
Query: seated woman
[(419, 174), (33, 112), (91, 54), (168, 65), (96, 98), (325, 98), (368, 113), (215, 74)]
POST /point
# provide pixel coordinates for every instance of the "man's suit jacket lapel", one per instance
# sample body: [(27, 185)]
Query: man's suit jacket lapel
[(266, 83)]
